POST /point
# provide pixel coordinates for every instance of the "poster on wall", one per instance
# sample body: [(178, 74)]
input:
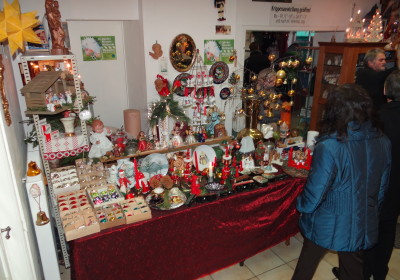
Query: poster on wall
[(218, 50), (289, 15), (98, 48)]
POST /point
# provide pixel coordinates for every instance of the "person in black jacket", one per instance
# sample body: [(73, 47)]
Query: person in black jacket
[(254, 63), (373, 75), (377, 259)]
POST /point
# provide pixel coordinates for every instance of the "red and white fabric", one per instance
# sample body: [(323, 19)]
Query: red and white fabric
[(65, 146)]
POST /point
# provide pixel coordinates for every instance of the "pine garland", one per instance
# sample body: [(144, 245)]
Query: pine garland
[(167, 107)]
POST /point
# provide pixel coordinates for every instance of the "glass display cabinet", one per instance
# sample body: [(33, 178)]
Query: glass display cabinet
[(337, 64)]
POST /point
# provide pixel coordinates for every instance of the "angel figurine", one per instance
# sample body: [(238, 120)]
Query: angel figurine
[(176, 138), (100, 143)]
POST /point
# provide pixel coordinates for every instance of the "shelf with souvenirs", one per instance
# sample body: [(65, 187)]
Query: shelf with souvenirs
[(54, 97)]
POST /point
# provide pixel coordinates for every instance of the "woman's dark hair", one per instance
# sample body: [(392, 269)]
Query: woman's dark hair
[(392, 86), (347, 103)]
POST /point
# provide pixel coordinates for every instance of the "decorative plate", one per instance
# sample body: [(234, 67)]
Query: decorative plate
[(154, 164), (183, 78), (203, 155), (224, 93), (219, 71)]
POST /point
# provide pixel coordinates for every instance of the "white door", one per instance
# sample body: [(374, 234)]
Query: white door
[(16, 258), (18, 253)]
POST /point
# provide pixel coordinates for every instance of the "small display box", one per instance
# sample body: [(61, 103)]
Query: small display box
[(77, 215), (136, 209), (110, 216), (90, 175), (104, 195), (64, 179)]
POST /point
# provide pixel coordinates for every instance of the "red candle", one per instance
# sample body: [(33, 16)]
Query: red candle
[(241, 166), (195, 161), (226, 152), (237, 172)]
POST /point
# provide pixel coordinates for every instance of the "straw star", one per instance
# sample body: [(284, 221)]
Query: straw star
[(17, 27)]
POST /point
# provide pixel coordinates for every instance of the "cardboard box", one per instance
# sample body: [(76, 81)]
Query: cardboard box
[(77, 221), (64, 179), (110, 216), (136, 209), (104, 195)]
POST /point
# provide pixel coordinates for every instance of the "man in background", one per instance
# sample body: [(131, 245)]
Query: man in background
[(254, 63), (373, 75)]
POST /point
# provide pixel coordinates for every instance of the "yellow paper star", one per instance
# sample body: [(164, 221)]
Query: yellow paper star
[(3, 32), (17, 27)]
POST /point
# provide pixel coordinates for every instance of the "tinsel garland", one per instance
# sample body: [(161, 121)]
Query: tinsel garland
[(167, 107)]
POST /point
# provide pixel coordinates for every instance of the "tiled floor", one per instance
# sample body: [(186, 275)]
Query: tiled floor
[(278, 263)]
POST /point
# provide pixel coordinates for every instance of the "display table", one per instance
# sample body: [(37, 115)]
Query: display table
[(190, 242)]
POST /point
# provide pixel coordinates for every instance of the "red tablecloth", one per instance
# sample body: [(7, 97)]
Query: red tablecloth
[(190, 242)]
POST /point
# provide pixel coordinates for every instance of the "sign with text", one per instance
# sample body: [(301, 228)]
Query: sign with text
[(289, 14), (98, 48), (218, 50)]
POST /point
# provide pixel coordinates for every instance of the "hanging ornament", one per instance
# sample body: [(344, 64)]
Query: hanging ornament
[(41, 217), (280, 74), (282, 64), (33, 169), (291, 92), (157, 51), (271, 57), (278, 82), (309, 60), (296, 63), (294, 80)]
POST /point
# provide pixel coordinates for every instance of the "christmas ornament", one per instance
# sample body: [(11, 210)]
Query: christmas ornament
[(271, 57), (157, 51), (281, 74), (17, 27), (33, 169), (41, 217)]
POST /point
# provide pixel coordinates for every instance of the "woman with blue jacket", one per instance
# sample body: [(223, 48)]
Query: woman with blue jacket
[(341, 201)]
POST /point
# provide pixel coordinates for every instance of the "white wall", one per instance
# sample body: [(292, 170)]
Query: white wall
[(104, 79), (136, 72), (87, 9)]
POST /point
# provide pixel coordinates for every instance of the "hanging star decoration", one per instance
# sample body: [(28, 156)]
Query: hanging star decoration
[(17, 27)]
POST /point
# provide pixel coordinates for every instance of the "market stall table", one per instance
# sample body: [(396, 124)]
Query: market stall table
[(190, 242)]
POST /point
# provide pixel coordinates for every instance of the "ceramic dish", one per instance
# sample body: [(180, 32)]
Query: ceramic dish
[(154, 164), (176, 199), (203, 155), (219, 71), (183, 78)]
